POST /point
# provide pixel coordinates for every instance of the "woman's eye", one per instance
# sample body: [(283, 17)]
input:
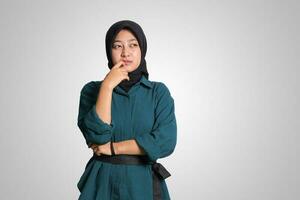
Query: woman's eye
[(134, 45), (116, 46)]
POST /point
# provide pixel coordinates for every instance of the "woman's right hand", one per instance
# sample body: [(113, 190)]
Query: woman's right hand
[(118, 73)]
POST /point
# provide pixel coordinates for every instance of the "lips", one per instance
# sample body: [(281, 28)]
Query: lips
[(127, 62)]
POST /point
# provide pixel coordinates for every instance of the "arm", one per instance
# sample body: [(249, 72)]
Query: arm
[(94, 118), (103, 103), (103, 106), (94, 129), (129, 147), (161, 141)]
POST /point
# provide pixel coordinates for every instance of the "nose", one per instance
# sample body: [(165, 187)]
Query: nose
[(125, 52)]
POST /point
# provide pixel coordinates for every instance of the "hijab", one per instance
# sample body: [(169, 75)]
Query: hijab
[(138, 32)]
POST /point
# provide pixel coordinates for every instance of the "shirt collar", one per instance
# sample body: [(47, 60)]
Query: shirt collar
[(143, 81), (146, 82)]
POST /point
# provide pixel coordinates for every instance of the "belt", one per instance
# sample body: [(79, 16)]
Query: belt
[(159, 172)]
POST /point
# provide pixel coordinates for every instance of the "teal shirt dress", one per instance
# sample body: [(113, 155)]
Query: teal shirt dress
[(147, 114)]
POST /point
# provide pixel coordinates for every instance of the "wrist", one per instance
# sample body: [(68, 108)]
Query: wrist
[(116, 146), (106, 86)]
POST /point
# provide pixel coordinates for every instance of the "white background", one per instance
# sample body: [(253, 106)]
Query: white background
[(231, 66)]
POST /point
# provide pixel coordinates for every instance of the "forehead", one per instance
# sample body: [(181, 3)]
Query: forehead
[(125, 35)]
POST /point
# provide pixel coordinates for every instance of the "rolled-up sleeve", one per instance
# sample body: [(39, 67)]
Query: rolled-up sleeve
[(93, 128), (161, 141)]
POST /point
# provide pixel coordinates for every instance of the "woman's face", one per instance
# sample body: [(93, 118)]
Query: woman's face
[(125, 47)]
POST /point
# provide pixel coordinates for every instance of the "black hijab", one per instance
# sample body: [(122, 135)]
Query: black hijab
[(138, 32)]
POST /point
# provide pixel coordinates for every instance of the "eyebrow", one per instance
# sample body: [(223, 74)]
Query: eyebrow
[(127, 40)]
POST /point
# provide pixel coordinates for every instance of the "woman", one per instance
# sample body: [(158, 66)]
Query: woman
[(128, 121)]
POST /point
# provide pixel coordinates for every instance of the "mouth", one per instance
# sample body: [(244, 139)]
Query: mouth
[(127, 62)]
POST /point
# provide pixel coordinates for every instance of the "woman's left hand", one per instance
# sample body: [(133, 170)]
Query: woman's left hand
[(101, 149)]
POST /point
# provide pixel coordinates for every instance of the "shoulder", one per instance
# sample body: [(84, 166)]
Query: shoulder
[(90, 86), (161, 90), (160, 87)]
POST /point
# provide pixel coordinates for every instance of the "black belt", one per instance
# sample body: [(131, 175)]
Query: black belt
[(159, 172)]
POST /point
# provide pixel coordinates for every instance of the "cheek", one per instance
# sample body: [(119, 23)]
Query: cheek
[(137, 56), (115, 55)]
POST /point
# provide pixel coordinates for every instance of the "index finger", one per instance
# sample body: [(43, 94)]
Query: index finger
[(119, 64)]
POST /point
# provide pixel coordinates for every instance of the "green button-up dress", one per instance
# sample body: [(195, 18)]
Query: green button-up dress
[(147, 114)]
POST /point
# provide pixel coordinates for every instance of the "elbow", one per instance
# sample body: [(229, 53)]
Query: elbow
[(95, 135), (168, 148), (94, 138)]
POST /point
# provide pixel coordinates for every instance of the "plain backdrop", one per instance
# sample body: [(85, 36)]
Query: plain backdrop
[(232, 68)]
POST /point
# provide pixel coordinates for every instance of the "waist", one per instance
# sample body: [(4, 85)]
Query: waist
[(124, 159)]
